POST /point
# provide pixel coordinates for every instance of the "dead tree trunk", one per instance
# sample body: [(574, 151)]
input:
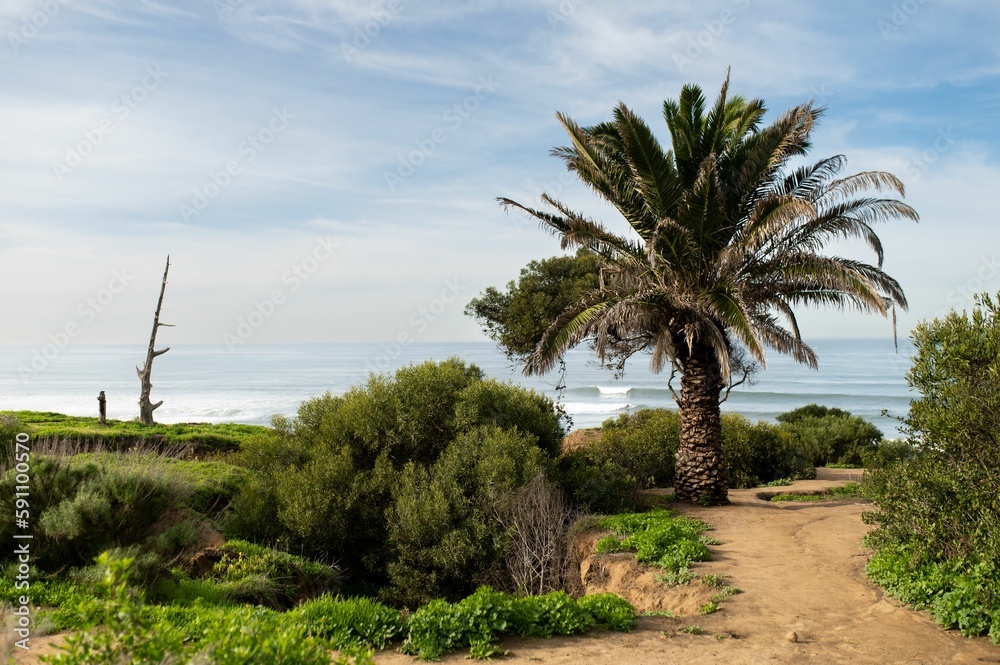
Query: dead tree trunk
[(146, 408)]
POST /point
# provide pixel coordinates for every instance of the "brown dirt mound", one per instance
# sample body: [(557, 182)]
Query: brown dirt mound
[(581, 438), (636, 582)]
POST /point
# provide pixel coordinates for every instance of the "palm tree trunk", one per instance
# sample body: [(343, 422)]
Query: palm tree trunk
[(702, 475)]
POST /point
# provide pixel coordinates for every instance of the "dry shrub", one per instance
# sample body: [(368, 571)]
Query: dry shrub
[(537, 517)]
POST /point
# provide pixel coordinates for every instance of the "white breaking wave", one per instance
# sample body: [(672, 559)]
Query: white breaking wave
[(614, 390), (585, 407)]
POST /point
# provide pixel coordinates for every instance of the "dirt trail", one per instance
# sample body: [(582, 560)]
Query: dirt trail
[(801, 569)]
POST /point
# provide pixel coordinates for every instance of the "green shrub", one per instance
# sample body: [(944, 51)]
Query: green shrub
[(398, 479), (831, 435), (600, 486), (444, 534), (644, 443), (83, 508), (760, 452), (248, 635), (481, 619), (610, 610), (641, 448), (249, 573), (509, 407), (937, 508), (126, 632)]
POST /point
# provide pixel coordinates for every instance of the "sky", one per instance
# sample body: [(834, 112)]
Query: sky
[(327, 170)]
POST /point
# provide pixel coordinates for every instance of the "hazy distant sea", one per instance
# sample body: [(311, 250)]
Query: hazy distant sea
[(207, 383)]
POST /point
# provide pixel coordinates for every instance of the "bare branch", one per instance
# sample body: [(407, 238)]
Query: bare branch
[(746, 373)]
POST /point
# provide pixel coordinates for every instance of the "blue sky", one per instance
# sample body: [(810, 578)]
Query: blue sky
[(327, 170)]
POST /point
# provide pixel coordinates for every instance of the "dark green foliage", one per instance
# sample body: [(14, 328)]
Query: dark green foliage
[(644, 443), (442, 526), (638, 450), (508, 406), (517, 318), (398, 480), (660, 538), (938, 509), (810, 411), (760, 452), (830, 435), (600, 486)]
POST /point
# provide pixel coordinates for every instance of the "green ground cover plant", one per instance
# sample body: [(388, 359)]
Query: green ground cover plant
[(661, 538)]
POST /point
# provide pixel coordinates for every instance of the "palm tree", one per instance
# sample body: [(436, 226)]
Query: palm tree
[(728, 237)]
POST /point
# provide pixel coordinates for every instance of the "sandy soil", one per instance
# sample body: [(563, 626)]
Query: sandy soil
[(801, 569)]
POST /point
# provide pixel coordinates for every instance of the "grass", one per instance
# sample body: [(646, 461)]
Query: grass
[(848, 491), (201, 437), (691, 630)]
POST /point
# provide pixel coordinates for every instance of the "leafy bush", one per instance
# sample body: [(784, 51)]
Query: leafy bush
[(660, 538), (82, 508), (444, 530), (248, 635), (760, 452), (125, 633), (644, 443), (507, 406), (610, 610), (398, 480), (639, 449), (830, 435), (601, 486), (937, 509)]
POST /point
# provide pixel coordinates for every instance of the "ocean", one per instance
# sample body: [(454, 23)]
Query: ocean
[(208, 383)]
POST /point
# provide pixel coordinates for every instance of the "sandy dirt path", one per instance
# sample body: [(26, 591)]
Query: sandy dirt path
[(801, 569)]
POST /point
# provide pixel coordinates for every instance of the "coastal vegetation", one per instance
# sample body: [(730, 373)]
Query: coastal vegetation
[(937, 511), (437, 510), (387, 514), (726, 237)]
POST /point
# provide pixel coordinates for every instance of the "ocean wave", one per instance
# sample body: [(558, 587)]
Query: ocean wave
[(587, 407), (614, 390)]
